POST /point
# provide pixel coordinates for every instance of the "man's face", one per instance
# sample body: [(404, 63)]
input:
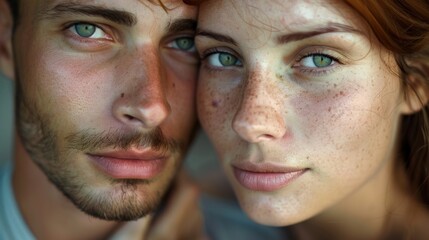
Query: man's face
[(106, 98)]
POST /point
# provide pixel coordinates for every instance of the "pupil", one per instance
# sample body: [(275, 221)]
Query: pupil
[(321, 61), (85, 30), (184, 43), (226, 59)]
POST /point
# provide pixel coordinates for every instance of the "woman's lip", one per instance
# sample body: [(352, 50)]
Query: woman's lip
[(267, 180), (264, 167), (129, 164)]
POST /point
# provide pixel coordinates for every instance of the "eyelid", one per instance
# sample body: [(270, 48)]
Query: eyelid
[(108, 34), (334, 59), (338, 61), (172, 41), (206, 53)]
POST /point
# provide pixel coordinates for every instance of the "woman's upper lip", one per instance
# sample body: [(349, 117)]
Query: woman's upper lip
[(265, 167), (146, 154)]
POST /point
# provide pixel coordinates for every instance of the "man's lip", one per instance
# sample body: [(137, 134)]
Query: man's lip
[(147, 154), (130, 164)]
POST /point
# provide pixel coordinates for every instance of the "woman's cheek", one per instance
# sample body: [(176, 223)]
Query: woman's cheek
[(216, 109), (320, 113)]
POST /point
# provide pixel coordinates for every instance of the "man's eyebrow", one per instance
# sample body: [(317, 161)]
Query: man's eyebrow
[(216, 36), (331, 27), (117, 16), (182, 25)]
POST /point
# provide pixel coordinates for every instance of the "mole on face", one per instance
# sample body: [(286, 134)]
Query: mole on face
[(122, 95), (215, 103)]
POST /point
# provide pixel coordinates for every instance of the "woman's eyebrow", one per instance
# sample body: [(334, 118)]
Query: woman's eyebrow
[(217, 36), (117, 16), (329, 28), (289, 37)]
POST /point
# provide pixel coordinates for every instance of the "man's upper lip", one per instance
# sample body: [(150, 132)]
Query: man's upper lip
[(147, 154), (265, 167)]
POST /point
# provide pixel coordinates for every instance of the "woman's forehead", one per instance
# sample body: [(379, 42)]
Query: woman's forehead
[(281, 21), (291, 15)]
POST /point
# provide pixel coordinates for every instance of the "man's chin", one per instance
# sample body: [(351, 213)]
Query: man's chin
[(123, 202)]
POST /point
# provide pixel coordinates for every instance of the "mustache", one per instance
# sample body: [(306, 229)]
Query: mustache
[(155, 139)]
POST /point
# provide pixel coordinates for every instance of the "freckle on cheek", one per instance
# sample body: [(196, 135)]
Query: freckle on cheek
[(215, 103)]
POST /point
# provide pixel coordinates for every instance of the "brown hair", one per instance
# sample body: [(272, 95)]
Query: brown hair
[(402, 26)]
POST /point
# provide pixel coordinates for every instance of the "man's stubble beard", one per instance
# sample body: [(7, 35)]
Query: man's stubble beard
[(121, 202)]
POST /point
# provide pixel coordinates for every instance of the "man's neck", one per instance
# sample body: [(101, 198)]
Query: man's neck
[(47, 212)]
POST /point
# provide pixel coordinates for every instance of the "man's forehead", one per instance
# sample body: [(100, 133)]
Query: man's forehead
[(106, 3), (121, 12), (44, 8)]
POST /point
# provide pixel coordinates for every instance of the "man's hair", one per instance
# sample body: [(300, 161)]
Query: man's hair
[(13, 4)]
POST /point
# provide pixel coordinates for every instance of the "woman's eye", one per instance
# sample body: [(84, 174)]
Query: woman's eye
[(223, 60), (87, 30), (317, 61), (184, 44)]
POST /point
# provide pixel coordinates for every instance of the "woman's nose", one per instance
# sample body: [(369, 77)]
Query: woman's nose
[(260, 113)]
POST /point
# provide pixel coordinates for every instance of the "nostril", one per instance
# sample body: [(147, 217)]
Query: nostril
[(130, 118)]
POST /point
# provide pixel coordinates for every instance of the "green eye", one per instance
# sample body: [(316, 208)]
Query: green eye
[(84, 29), (322, 60), (227, 59), (184, 43)]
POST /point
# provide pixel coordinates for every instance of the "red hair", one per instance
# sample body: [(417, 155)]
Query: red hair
[(402, 27)]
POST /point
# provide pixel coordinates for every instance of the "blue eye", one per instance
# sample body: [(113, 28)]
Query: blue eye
[(223, 59), (317, 61), (87, 30), (183, 43), (84, 29)]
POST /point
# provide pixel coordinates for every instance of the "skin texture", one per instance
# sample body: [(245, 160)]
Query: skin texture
[(128, 87), (273, 110)]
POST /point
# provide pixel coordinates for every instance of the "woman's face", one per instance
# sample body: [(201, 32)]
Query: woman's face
[(301, 103)]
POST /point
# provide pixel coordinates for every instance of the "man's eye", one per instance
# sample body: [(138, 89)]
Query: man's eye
[(87, 30), (222, 59), (317, 61), (184, 44)]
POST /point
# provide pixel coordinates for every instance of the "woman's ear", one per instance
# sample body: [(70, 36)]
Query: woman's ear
[(416, 86), (6, 30)]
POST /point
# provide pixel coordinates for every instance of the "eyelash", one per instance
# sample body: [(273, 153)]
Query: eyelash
[(336, 62), (87, 40), (314, 71), (204, 57)]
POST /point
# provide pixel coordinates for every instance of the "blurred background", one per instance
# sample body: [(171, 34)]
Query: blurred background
[(6, 118)]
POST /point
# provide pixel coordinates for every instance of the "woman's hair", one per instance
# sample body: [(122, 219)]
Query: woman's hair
[(402, 27)]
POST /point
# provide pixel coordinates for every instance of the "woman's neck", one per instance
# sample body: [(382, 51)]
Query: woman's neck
[(380, 209)]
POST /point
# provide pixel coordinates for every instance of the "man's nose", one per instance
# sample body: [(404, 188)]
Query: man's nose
[(144, 103), (259, 116)]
